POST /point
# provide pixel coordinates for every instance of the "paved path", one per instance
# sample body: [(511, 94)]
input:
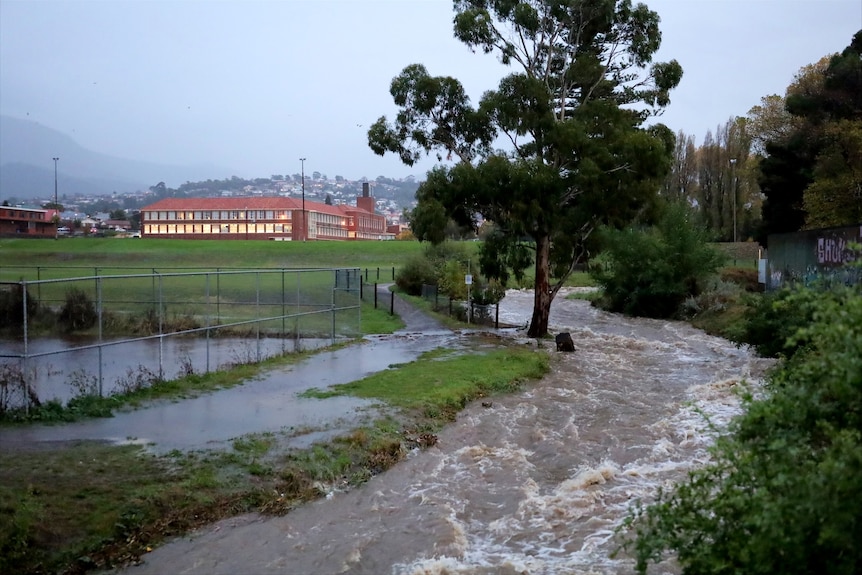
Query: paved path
[(415, 320)]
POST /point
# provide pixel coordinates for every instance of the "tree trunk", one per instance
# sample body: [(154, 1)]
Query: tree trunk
[(542, 301)]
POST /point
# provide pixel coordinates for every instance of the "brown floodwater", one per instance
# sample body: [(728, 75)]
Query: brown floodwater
[(534, 482)]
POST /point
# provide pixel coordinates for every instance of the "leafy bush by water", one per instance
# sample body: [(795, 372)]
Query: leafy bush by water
[(783, 490), (650, 272), (78, 311), (12, 305)]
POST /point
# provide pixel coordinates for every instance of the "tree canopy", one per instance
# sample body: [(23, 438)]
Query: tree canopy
[(812, 173), (572, 115)]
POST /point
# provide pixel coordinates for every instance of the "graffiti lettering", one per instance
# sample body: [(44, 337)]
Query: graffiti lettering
[(833, 251)]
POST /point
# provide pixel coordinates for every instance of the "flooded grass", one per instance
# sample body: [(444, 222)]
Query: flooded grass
[(441, 382), (73, 508), (141, 386)]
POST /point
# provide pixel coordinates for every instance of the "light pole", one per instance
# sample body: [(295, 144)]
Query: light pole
[(733, 177), (304, 219), (56, 205)]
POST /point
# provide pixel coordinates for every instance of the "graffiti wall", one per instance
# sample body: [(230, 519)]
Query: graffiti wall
[(814, 256)]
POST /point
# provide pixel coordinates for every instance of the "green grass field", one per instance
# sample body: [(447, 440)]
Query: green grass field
[(70, 257)]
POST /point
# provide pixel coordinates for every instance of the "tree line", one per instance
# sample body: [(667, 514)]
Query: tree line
[(793, 162)]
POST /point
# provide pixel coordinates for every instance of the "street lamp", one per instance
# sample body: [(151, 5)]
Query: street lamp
[(56, 205), (733, 176), (304, 219)]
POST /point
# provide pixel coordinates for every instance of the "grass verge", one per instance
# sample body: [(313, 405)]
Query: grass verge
[(87, 506)]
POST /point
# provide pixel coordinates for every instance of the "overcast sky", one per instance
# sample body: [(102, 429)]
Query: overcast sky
[(254, 86)]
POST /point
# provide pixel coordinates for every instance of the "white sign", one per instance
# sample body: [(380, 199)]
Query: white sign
[(468, 279)]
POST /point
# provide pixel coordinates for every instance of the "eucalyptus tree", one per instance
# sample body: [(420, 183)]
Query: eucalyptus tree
[(571, 117)]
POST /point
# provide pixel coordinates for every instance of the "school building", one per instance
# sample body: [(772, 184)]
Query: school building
[(263, 218)]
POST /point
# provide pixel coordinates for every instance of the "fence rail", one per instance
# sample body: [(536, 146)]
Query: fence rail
[(63, 337), (469, 311)]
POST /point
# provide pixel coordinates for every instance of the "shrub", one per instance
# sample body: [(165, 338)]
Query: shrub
[(650, 272), (415, 272), (438, 265), (486, 292), (746, 278), (12, 305), (78, 311), (779, 493), (450, 279), (772, 320)]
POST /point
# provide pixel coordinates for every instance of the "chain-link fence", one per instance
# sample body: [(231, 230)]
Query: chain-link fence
[(104, 334)]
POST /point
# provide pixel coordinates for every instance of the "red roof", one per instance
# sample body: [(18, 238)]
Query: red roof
[(250, 203)]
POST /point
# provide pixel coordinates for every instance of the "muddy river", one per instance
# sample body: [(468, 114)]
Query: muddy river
[(535, 483)]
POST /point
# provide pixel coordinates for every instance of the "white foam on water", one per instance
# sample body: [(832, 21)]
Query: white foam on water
[(570, 527)]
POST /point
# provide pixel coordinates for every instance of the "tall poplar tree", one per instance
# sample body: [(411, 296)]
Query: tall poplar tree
[(572, 113)]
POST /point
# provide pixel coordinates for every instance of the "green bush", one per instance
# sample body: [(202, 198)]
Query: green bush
[(650, 272), (772, 320), (443, 265), (450, 279), (486, 292), (78, 311), (416, 272), (782, 492), (12, 305)]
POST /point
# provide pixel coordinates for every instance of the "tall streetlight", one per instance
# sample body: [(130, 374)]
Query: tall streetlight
[(733, 177), (304, 219), (56, 205)]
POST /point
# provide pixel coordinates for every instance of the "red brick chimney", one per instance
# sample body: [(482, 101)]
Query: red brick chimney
[(366, 202)]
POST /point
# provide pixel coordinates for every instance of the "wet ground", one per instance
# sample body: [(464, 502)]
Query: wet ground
[(269, 403), (534, 482)]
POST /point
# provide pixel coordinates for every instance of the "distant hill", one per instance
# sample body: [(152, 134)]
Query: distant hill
[(27, 171)]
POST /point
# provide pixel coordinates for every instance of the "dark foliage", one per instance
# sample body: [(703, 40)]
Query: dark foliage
[(12, 308), (78, 311), (782, 492), (650, 272)]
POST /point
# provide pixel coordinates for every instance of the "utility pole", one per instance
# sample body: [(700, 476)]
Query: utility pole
[(733, 177), (304, 218), (56, 205)]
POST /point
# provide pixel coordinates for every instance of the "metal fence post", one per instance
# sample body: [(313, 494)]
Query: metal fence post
[(332, 311), (24, 294), (100, 308), (207, 321), (161, 329), (257, 312)]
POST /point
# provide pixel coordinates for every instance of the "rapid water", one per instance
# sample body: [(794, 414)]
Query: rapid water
[(536, 482)]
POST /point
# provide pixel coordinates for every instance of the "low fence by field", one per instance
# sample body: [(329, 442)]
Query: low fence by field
[(103, 333), (469, 311)]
